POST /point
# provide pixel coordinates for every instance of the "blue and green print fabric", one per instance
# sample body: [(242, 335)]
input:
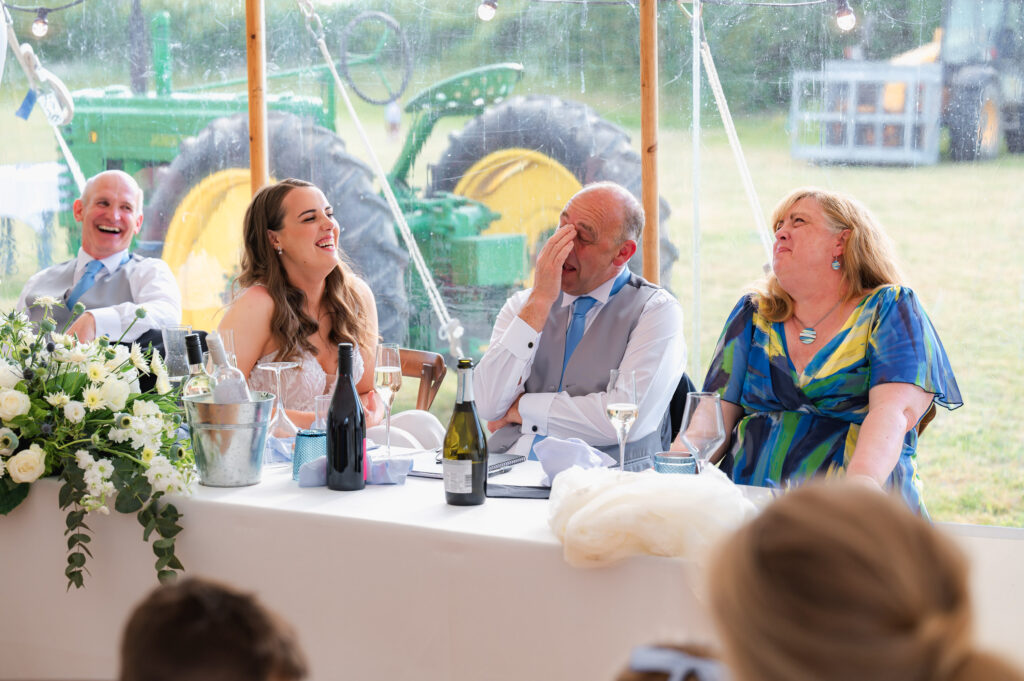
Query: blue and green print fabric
[(795, 426)]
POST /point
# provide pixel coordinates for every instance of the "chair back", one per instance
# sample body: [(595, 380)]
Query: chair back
[(427, 366)]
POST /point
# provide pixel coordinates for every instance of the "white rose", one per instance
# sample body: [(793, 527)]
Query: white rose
[(115, 393), (27, 465), (9, 375), (74, 411), (13, 403)]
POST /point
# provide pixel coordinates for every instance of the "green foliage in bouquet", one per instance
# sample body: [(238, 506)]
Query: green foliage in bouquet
[(74, 410)]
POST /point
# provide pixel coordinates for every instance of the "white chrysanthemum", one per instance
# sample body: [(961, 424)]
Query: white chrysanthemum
[(145, 408), (93, 398), (47, 301), (74, 411), (96, 372), (58, 399), (83, 459), (163, 385), (77, 355), (163, 476), (157, 365), (118, 435), (121, 357), (60, 339), (138, 359)]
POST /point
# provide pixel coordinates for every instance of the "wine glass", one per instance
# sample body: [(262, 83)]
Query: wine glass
[(622, 407), (702, 429), (280, 426), (387, 380)]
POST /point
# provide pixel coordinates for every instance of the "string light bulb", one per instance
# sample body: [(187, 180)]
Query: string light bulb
[(40, 27), (486, 10), (845, 18)]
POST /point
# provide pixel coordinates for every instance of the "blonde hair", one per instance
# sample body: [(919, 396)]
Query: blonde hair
[(290, 326), (868, 259), (836, 581)]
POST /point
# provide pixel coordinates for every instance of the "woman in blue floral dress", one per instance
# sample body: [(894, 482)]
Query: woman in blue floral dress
[(830, 365)]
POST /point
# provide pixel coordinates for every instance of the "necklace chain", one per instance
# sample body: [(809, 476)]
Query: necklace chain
[(808, 335)]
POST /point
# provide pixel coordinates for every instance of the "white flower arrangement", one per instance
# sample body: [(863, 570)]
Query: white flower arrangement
[(75, 410)]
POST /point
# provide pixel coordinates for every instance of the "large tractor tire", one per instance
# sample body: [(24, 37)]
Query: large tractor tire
[(524, 158), (975, 122), (196, 214)]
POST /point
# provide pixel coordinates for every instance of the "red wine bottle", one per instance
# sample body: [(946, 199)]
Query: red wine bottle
[(346, 429)]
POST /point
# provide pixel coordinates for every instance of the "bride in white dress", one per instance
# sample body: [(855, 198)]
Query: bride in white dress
[(298, 300)]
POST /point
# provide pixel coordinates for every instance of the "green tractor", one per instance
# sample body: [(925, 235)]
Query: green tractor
[(491, 200)]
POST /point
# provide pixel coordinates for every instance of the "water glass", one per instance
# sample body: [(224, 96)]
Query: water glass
[(175, 355), (675, 462)]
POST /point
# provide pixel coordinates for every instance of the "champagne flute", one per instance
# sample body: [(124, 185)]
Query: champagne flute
[(622, 407), (387, 380), (703, 429)]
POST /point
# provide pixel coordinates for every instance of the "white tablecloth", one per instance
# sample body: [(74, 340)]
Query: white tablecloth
[(391, 583), (385, 583)]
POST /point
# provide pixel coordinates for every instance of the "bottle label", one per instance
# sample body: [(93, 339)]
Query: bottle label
[(458, 476)]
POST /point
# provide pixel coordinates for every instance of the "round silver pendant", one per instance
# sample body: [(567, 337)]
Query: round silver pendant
[(808, 336)]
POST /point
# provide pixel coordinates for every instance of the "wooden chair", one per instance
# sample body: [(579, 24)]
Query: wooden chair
[(429, 368)]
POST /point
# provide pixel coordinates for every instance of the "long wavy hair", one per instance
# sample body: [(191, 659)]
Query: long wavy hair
[(868, 259), (837, 581), (290, 326)]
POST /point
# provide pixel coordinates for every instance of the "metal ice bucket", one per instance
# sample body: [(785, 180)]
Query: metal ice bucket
[(228, 439)]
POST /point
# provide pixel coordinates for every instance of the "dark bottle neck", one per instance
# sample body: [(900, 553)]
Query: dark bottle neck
[(344, 360)]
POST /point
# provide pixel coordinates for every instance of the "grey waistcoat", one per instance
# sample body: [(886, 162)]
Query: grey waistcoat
[(59, 280), (600, 350)]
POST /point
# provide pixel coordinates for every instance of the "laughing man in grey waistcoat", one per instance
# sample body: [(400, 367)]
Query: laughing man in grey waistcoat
[(545, 372), (105, 277)]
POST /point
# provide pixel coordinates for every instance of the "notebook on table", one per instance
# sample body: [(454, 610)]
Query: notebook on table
[(427, 465)]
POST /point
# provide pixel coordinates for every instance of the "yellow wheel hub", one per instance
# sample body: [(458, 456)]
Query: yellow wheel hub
[(527, 187), (204, 244)]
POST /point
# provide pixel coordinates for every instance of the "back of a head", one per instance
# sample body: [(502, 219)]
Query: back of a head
[(201, 631), (836, 581)]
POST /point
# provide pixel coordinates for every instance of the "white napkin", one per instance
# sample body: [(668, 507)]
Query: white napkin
[(602, 516), (556, 455)]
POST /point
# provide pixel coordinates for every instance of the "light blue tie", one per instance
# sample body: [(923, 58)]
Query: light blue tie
[(85, 283), (572, 338), (575, 334)]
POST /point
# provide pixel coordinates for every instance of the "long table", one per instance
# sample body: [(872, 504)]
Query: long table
[(390, 583)]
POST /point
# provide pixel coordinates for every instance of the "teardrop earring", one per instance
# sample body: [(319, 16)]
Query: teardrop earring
[(835, 262)]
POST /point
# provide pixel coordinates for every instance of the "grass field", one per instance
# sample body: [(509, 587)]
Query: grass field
[(958, 231)]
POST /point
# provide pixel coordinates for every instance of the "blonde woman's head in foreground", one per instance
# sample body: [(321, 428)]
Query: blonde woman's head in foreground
[(839, 582)]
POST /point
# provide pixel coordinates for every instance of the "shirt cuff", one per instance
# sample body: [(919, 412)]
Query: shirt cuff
[(108, 322), (533, 411), (520, 339)]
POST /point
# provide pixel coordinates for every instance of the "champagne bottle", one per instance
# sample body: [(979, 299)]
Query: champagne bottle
[(229, 386), (198, 382), (346, 429), (465, 448)]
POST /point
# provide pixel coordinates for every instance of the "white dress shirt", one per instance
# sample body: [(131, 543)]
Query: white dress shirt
[(152, 285), (656, 351)]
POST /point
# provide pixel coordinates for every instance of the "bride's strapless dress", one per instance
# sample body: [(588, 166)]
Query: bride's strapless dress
[(301, 384)]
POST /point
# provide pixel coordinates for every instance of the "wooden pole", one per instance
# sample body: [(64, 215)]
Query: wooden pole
[(649, 137), (259, 166)]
